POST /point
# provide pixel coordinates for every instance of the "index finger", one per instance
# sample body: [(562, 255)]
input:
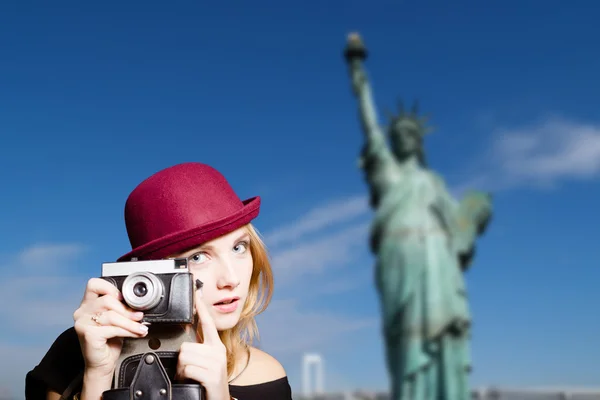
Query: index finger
[(209, 329), (97, 287)]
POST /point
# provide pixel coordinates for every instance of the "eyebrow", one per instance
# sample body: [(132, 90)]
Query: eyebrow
[(244, 235)]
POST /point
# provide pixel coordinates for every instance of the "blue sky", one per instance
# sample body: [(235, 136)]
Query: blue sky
[(97, 96)]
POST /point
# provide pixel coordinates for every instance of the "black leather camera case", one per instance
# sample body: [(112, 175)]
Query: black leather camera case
[(177, 307), (149, 376)]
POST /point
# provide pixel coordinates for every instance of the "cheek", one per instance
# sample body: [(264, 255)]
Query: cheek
[(245, 271), (205, 277)]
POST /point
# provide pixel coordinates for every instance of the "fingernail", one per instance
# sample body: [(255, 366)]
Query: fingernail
[(143, 328), (138, 315)]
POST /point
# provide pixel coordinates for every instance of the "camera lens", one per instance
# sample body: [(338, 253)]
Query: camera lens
[(142, 290)]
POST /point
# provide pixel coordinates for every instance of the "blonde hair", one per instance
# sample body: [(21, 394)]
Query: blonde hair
[(241, 336)]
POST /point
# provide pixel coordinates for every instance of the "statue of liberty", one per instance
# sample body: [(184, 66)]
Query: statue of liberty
[(423, 241)]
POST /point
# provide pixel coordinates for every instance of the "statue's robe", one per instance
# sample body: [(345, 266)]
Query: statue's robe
[(419, 278)]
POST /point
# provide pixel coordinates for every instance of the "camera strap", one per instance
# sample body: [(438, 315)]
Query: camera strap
[(73, 388), (151, 381)]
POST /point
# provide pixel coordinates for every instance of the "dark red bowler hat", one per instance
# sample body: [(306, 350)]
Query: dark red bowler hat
[(182, 207)]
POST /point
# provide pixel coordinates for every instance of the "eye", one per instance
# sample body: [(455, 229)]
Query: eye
[(198, 258), (241, 247)]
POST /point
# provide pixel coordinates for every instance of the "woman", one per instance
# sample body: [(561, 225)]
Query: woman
[(185, 211)]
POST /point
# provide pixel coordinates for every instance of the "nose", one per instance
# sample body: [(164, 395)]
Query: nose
[(228, 277)]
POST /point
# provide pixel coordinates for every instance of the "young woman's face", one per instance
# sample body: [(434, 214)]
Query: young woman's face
[(224, 265)]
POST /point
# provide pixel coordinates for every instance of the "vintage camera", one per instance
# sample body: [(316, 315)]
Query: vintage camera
[(162, 289)]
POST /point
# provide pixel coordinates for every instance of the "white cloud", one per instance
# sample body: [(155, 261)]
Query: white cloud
[(45, 258), (314, 258), (49, 253), (345, 283), (43, 303), (304, 329), (541, 154), (317, 247), (47, 295), (320, 255), (323, 216), (551, 150)]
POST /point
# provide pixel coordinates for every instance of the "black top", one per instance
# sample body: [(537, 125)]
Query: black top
[(63, 363)]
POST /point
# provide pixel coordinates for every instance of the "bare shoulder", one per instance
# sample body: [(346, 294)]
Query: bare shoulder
[(52, 395), (262, 368)]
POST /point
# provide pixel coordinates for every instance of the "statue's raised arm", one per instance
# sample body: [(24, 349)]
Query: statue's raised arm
[(355, 53), (376, 158)]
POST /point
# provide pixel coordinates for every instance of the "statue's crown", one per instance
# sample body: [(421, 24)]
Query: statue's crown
[(408, 119)]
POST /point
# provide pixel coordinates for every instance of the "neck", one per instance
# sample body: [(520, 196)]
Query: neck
[(410, 160)]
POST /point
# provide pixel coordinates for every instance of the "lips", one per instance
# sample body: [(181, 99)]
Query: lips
[(227, 300), (227, 305)]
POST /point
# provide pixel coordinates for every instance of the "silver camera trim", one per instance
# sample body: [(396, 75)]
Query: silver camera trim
[(155, 287), (124, 268)]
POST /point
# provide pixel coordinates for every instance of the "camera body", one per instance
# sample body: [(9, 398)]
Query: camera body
[(162, 289)]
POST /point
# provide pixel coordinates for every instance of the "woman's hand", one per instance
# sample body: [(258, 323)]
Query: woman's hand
[(101, 321), (206, 362)]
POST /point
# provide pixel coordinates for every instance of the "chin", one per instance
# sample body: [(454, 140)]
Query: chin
[(226, 322)]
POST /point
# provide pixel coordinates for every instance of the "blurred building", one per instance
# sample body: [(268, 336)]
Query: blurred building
[(313, 388), (490, 394)]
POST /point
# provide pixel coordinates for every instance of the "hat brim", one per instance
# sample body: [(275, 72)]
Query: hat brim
[(184, 240)]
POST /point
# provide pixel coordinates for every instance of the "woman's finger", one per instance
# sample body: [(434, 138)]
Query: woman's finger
[(107, 303), (113, 318), (94, 333), (194, 354), (111, 303), (111, 331), (196, 373), (209, 330), (210, 362), (97, 287)]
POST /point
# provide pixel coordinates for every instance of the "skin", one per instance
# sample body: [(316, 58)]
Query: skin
[(225, 266)]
